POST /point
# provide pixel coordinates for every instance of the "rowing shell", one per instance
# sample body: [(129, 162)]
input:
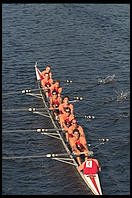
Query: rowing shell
[(92, 181)]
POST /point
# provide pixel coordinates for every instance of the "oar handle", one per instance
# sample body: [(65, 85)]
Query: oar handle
[(51, 155), (89, 117), (68, 81), (78, 98), (104, 139), (56, 155), (26, 91)]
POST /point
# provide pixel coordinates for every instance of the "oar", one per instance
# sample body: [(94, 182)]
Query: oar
[(90, 117), (48, 130), (48, 155), (35, 156), (52, 155), (18, 92), (117, 99), (101, 81), (101, 141), (31, 130), (80, 98), (21, 91), (24, 109), (72, 81)]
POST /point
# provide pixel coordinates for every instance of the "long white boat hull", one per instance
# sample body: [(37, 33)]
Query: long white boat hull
[(92, 181)]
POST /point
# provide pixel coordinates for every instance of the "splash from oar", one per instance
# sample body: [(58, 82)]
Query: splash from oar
[(108, 79), (121, 96)]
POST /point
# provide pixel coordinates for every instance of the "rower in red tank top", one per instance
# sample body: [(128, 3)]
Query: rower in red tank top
[(90, 166), (66, 119), (55, 101), (46, 83), (74, 125), (47, 70), (56, 86), (78, 145), (65, 104)]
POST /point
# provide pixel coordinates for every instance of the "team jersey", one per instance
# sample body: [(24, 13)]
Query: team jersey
[(55, 102), (71, 128), (62, 106), (79, 144), (46, 83), (44, 72), (66, 119), (57, 89), (90, 167)]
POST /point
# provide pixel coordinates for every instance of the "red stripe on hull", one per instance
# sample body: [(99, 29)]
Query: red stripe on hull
[(94, 183)]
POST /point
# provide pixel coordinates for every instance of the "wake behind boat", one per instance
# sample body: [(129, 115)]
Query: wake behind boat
[(92, 180)]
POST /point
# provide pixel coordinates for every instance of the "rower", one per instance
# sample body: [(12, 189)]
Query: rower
[(78, 144), (55, 101), (46, 83), (65, 104), (56, 86), (47, 70), (65, 120), (90, 166), (74, 125)]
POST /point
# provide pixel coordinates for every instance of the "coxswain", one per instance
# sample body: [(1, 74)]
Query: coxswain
[(79, 145), (74, 125), (46, 83), (47, 70), (55, 101), (65, 120), (56, 86), (90, 166), (65, 104)]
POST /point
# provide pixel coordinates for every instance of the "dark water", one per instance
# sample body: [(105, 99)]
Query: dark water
[(81, 42)]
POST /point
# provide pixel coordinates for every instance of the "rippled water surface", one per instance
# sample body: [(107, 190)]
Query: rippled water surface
[(81, 42)]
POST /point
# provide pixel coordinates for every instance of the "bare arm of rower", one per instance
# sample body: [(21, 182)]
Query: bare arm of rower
[(98, 164), (82, 133), (51, 108), (86, 148), (64, 126), (77, 153), (81, 167), (84, 143), (75, 150), (72, 109), (62, 122)]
